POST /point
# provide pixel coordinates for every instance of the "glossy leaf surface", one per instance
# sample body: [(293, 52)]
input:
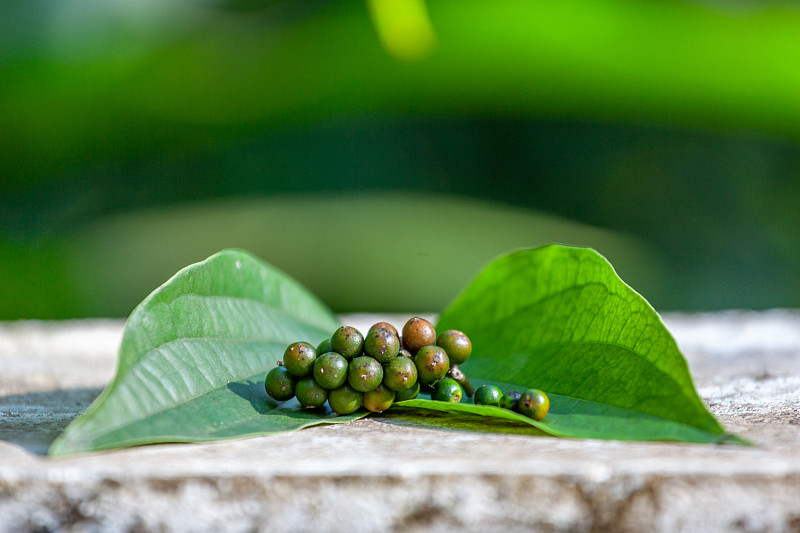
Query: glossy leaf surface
[(194, 355), (559, 319)]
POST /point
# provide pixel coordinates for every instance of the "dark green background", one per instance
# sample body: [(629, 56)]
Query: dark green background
[(138, 138)]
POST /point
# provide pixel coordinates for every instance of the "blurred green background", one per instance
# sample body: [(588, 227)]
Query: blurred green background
[(382, 152)]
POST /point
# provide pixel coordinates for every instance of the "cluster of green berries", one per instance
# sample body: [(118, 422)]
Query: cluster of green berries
[(532, 403), (351, 371)]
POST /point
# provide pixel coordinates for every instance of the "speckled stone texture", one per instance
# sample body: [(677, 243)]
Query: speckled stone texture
[(379, 475)]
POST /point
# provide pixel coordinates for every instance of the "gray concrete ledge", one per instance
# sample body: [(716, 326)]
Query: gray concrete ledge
[(378, 475)]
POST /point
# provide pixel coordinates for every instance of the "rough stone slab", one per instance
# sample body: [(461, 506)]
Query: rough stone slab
[(379, 475)]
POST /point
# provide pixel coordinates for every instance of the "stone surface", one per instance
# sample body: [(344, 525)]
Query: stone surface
[(380, 475)]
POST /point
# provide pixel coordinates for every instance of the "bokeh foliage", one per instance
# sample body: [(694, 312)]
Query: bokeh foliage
[(673, 124)]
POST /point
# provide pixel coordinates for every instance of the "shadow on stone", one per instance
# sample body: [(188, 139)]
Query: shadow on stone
[(33, 420)]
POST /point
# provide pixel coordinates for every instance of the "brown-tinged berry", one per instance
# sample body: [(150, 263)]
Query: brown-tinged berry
[(400, 374), (432, 364), (379, 399), (417, 333), (385, 325), (534, 404)]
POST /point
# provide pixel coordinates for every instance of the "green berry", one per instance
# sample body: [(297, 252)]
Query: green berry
[(385, 325), (456, 344), (330, 370), (280, 384), (347, 341), (510, 400), (309, 394), (405, 353), (299, 358), (400, 374), (379, 399), (324, 346), (534, 404), (432, 364), (381, 344), (407, 394), (487, 395), (364, 373), (448, 390), (345, 400)]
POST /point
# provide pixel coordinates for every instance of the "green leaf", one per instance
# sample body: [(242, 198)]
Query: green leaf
[(560, 320), (194, 355)]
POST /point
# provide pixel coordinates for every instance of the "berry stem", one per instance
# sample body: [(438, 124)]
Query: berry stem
[(462, 379)]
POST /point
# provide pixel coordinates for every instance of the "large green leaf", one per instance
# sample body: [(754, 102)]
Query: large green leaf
[(194, 355), (559, 319)]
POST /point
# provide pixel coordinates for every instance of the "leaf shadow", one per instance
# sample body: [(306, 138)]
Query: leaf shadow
[(423, 418), (33, 420), (253, 392)]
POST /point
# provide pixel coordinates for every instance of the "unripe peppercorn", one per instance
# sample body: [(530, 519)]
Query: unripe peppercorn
[(381, 344), (385, 325), (417, 333), (324, 347), (379, 399), (299, 358), (364, 373), (432, 364), (347, 341), (456, 344), (407, 394), (345, 400), (510, 400), (330, 370), (534, 404), (400, 374), (487, 395), (448, 390), (279, 384), (309, 393)]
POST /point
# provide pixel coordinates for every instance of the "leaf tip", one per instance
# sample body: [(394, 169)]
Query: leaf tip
[(730, 438)]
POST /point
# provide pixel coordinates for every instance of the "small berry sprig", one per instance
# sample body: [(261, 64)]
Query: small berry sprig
[(532, 403), (350, 371)]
